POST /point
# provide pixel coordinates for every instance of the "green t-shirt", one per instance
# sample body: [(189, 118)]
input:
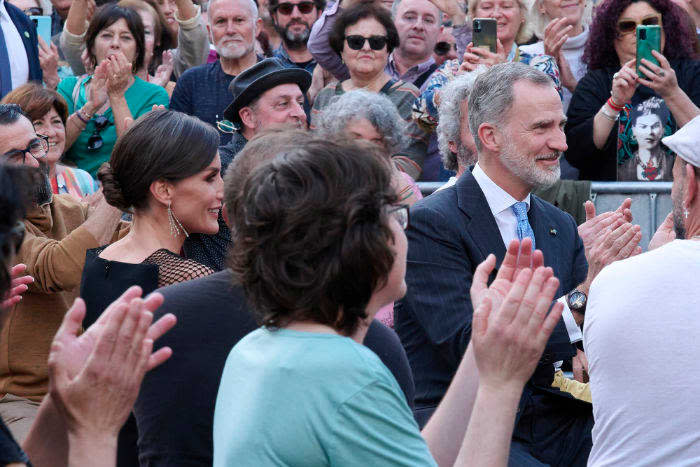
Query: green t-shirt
[(309, 399), (140, 97)]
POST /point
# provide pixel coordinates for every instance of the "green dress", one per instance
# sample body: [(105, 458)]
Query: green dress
[(140, 98)]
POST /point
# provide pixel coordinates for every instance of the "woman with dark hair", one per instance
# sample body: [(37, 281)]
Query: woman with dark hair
[(364, 36), (165, 170), (598, 124), (48, 112), (319, 247), (100, 104)]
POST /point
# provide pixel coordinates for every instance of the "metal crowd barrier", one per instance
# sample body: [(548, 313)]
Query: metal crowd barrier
[(651, 201)]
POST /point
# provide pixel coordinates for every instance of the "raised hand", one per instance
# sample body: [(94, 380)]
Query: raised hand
[(119, 74), (48, 60), (661, 79), (452, 8), (624, 83), (165, 70), (555, 35), (590, 230), (519, 256), (613, 245), (475, 56), (97, 93), (19, 285), (664, 234), (508, 339)]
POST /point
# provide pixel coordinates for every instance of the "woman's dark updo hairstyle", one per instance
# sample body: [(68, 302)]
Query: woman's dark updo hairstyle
[(354, 15), (17, 184), (600, 47), (311, 235), (160, 145), (106, 16)]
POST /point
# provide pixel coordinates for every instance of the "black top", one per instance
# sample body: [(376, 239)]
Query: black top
[(590, 95), (175, 407), (10, 452)]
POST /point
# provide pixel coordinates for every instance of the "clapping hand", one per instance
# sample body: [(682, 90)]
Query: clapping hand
[(590, 230), (664, 234), (165, 70), (94, 378), (19, 285), (508, 338), (48, 60), (555, 36)]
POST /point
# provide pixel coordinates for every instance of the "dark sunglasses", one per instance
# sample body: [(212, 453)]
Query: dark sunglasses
[(628, 26), (375, 42), (38, 148), (442, 48), (287, 8), (95, 142)]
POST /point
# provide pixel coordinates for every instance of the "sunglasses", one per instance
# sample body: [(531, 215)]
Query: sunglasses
[(375, 42), (38, 148), (95, 142), (628, 26), (442, 48), (401, 214), (287, 8)]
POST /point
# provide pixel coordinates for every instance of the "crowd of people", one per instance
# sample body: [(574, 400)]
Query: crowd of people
[(214, 248)]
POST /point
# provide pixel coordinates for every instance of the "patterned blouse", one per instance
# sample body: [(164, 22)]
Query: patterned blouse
[(73, 181), (425, 109)]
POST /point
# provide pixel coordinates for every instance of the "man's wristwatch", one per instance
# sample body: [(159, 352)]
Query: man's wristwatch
[(577, 301)]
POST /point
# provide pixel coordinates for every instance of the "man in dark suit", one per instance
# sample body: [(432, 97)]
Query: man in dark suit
[(19, 55), (516, 118)]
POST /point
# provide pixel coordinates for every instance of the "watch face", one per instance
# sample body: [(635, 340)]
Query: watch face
[(577, 300)]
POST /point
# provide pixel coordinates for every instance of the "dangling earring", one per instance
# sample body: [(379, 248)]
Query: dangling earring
[(685, 212), (175, 225)]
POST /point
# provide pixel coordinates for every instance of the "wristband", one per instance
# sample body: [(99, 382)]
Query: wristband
[(611, 117), (77, 113), (613, 105)]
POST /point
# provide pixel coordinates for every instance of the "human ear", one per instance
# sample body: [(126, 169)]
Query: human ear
[(162, 191), (691, 187), (247, 117), (489, 137)]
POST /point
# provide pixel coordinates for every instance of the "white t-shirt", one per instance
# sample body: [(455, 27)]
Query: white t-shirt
[(573, 51), (642, 338)]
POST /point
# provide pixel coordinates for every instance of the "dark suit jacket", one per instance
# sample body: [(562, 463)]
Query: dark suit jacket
[(450, 233), (27, 30)]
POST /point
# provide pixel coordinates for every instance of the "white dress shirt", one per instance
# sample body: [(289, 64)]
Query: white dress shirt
[(500, 203), (19, 65)]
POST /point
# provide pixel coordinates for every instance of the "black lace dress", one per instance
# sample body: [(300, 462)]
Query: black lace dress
[(104, 281)]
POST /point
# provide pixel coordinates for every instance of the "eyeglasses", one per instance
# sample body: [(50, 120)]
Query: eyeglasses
[(628, 26), (400, 213), (95, 142), (33, 11), (442, 48), (38, 148), (287, 8), (375, 42)]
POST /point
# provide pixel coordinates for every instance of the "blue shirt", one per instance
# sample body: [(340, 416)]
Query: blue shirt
[(286, 60)]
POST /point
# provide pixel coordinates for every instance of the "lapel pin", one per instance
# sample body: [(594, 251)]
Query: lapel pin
[(26, 34), (553, 232)]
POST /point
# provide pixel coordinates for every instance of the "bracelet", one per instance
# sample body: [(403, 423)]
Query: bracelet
[(611, 117), (77, 114), (85, 115), (613, 105)]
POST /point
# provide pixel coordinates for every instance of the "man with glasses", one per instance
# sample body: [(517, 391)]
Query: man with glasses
[(293, 20), (19, 53), (58, 233), (203, 91)]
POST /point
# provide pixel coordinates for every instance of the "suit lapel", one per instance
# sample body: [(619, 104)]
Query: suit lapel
[(547, 235), (26, 35), (480, 226)]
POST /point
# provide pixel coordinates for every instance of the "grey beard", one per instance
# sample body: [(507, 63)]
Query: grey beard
[(293, 42), (43, 194), (678, 224)]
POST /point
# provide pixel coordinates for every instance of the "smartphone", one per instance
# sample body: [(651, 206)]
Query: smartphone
[(43, 27), (484, 34), (648, 39)]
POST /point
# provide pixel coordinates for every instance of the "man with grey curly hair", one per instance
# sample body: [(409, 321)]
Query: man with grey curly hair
[(366, 115), (455, 140)]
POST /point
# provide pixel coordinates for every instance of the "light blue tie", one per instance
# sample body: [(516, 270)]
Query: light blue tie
[(5, 74), (524, 229)]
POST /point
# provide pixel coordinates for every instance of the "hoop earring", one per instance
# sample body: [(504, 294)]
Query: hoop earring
[(175, 225)]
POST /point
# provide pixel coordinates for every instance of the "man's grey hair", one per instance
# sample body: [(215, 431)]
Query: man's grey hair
[(450, 117), (395, 7), (250, 3), (492, 95), (360, 104)]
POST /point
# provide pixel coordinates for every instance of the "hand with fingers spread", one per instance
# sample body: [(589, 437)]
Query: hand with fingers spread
[(508, 339), (165, 70), (19, 285), (519, 256), (661, 78), (624, 84), (94, 378), (664, 234)]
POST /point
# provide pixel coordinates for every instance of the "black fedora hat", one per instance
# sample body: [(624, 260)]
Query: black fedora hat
[(259, 78)]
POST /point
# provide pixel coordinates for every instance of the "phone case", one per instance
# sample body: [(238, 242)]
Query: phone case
[(648, 39), (43, 27), (484, 33)]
